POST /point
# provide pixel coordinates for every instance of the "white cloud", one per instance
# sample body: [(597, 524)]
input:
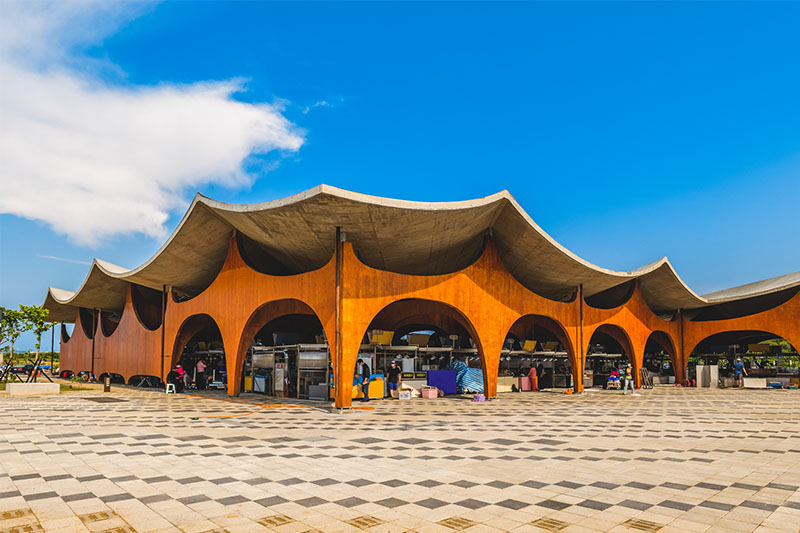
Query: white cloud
[(321, 103), (94, 159)]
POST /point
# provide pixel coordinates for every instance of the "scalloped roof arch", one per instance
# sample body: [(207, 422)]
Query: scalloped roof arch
[(420, 238)]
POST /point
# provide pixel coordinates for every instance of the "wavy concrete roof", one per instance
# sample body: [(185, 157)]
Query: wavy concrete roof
[(298, 232)]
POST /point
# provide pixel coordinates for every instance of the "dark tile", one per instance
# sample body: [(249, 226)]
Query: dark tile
[(232, 500), (758, 505), (123, 479), (779, 486), (533, 484), (394, 483), (78, 497), (116, 497), (458, 441), (471, 504), (360, 482), (671, 504), (569, 484), (237, 438), (710, 486), (325, 482), (21, 477), (464, 484), (158, 479), (350, 502), (291, 481), (431, 503), (391, 503), (504, 442), (553, 504), (155, 498), (594, 504), (313, 501), (429, 483), (9, 494), (413, 441), (604, 485), (676, 486), (197, 498), (189, 480), (745, 486), (633, 504), (512, 504), (717, 505), (271, 500), (40, 496), (499, 484), (637, 485)]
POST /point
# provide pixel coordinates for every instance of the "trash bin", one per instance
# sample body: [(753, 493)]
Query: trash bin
[(107, 384)]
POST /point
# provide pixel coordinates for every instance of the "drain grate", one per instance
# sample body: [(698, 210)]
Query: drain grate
[(550, 524), (642, 525), (457, 523), (105, 399), (16, 513), (364, 522), (276, 520)]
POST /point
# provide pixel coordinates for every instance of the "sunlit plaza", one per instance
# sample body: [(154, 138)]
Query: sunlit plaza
[(671, 459)]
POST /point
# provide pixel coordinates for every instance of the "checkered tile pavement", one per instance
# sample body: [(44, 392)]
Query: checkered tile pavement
[(670, 460)]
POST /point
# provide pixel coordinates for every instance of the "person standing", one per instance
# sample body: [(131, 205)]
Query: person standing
[(628, 380), (533, 376), (739, 372), (200, 375), (394, 379), (363, 369)]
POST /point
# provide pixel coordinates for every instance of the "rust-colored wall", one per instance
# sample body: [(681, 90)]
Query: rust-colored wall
[(637, 322), (484, 298), (239, 292), (782, 321)]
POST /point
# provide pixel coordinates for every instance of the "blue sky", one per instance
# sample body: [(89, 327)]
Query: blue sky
[(628, 131)]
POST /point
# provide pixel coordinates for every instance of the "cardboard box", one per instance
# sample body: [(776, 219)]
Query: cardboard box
[(430, 393), (404, 394)]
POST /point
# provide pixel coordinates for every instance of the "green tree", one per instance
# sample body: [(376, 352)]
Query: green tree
[(35, 316), (13, 325)]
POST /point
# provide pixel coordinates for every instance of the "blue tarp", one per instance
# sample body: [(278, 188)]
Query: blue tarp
[(468, 379)]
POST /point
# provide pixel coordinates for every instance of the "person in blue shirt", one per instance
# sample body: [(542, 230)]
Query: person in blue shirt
[(738, 371)]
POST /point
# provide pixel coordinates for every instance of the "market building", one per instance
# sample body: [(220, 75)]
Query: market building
[(283, 298)]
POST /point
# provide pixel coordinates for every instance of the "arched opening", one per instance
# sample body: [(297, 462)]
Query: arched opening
[(768, 360), (109, 322), (199, 339), (660, 358), (147, 306), (432, 343), (66, 332), (284, 352), (145, 381), (116, 379), (609, 352), (87, 322), (541, 343)]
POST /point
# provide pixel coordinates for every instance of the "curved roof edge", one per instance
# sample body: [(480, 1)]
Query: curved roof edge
[(105, 284)]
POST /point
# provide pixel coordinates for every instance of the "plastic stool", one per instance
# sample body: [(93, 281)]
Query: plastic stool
[(171, 388)]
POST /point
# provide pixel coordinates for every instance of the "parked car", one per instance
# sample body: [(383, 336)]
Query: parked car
[(22, 369)]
